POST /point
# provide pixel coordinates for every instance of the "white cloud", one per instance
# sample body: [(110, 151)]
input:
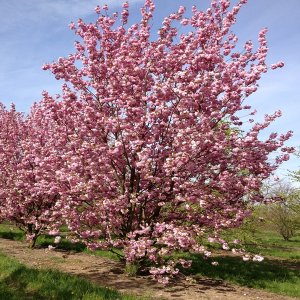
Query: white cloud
[(14, 13)]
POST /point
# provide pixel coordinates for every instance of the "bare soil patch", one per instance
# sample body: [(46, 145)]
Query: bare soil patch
[(110, 273)]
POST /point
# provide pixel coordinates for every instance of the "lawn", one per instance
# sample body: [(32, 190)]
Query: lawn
[(278, 273), (270, 275), (8, 231), (271, 244), (20, 282)]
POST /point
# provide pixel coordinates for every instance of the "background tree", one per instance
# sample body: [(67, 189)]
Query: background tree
[(284, 214), (27, 184), (295, 175)]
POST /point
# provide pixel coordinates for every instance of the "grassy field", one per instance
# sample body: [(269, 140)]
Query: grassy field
[(10, 232), (278, 273), (19, 282), (270, 275), (271, 244)]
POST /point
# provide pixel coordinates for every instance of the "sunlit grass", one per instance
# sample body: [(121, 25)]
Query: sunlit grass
[(271, 244), (20, 282)]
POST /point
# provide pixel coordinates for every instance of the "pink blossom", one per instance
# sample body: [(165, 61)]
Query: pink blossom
[(257, 258), (125, 5), (185, 263), (277, 65), (57, 240), (225, 246), (98, 9), (246, 257)]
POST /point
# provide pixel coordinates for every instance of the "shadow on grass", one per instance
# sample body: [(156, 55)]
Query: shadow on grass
[(26, 283), (245, 273), (65, 245), (12, 235), (10, 232), (45, 241), (269, 274)]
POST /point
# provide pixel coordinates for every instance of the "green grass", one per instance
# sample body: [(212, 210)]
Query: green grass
[(45, 240), (11, 232), (271, 244), (269, 275), (8, 231), (18, 282), (278, 273), (268, 243)]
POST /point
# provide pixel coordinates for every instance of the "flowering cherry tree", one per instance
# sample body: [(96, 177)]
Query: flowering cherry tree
[(27, 185), (154, 153)]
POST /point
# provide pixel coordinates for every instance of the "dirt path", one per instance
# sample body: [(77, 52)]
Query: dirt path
[(110, 274)]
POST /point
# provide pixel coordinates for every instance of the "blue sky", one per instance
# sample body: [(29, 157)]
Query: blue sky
[(33, 32)]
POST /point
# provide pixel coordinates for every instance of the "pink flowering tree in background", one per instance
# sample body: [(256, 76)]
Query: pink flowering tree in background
[(27, 183), (11, 134), (154, 153)]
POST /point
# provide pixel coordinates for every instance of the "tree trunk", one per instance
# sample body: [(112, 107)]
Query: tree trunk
[(32, 242), (33, 235)]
